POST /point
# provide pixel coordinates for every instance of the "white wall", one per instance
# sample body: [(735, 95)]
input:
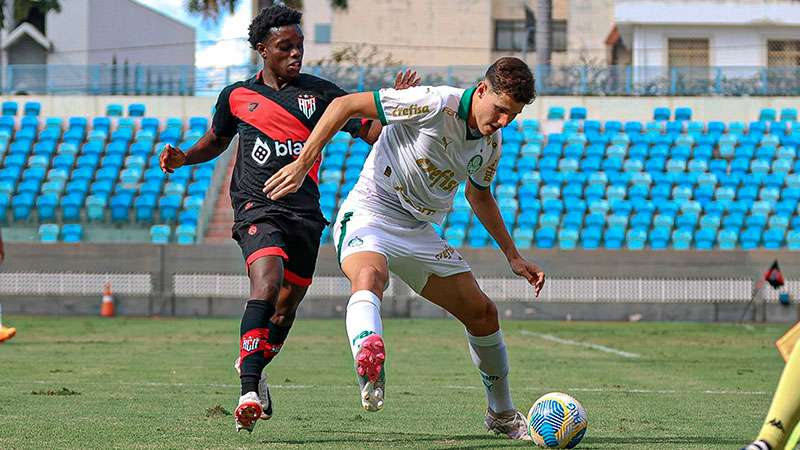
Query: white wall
[(728, 46), (314, 12), (68, 30), (138, 34)]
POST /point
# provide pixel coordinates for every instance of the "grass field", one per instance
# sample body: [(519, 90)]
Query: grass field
[(74, 382)]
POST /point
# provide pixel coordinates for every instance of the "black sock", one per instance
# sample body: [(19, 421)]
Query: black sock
[(254, 342), (276, 338)]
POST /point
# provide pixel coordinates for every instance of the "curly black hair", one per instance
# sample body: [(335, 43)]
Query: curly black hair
[(272, 17), (511, 76)]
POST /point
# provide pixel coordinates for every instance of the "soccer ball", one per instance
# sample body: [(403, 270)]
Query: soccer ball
[(557, 420)]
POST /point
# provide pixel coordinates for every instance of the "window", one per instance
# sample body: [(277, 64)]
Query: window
[(783, 53), (322, 33), (688, 53), (511, 34)]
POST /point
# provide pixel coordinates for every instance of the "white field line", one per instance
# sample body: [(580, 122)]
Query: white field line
[(454, 387), (602, 348)]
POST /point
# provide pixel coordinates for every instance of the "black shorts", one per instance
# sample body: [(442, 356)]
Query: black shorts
[(270, 232)]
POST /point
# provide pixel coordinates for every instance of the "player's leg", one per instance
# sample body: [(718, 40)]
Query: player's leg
[(255, 351), (362, 250), (784, 412), (265, 252), (461, 296), (368, 273)]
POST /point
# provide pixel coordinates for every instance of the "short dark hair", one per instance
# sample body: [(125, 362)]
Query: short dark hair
[(511, 76), (272, 17)]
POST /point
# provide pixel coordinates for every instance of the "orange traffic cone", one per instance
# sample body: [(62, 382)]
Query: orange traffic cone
[(7, 333), (107, 307)]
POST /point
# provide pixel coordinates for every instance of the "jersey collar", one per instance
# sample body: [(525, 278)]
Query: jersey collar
[(463, 112)]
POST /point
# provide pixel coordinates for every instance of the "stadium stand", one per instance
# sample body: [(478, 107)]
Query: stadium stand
[(63, 175), (670, 182)]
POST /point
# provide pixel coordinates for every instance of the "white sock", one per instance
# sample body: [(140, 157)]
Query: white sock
[(490, 357), (363, 318)]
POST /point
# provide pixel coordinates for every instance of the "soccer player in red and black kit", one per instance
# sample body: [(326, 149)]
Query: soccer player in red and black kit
[(273, 114)]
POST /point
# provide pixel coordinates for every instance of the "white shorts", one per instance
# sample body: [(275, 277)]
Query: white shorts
[(412, 253)]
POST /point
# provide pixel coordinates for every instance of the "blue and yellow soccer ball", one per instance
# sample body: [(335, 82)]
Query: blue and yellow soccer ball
[(557, 420)]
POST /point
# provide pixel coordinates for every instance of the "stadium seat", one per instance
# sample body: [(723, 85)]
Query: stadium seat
[(48, 233), (135, 110), (10, 108), (114, 110), (185, 234), (160, 234), (554, 113), (71, 232)]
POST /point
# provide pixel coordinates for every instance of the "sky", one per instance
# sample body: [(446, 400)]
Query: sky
[(221, 43)]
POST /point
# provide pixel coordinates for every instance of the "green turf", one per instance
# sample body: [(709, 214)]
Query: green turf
[(169, 383)]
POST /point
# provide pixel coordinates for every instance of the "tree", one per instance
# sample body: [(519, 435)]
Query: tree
[(23, 8), (211, 9)]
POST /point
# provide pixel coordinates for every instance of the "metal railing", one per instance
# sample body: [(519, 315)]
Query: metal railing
[(124, 79)]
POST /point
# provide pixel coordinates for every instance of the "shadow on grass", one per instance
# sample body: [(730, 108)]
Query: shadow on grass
[(468, 441)]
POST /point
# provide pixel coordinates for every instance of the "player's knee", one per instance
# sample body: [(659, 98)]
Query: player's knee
[(370, 278), (266, 288), (483, 319), (283, 320)]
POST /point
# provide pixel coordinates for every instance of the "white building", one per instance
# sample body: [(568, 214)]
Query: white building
[(725, 33)]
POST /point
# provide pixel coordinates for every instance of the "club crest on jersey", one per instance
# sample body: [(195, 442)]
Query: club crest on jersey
[(474, 164), (261, 151), (308, 104)]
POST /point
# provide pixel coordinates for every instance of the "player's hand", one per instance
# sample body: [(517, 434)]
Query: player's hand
[(530, 271), (171, 158), (285, 181), (407, 79)]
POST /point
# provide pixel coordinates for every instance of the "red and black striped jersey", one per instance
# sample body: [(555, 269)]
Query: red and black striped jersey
[(273, 126)]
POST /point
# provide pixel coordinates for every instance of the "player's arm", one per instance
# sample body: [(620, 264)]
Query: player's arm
[(482, 202), (290, 177), (371, 129), (208, 147)]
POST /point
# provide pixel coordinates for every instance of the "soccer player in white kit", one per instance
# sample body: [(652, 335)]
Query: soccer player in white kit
[(434, 139)]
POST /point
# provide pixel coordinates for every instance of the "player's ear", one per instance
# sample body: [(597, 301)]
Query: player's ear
[(482, 86), (261, 48)]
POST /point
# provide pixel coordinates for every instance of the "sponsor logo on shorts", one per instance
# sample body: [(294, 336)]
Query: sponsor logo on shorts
[(252, 106), (447, 253), (474, 164), (248, 205), (252, 230), (355, 242), (250, 343), (412, 110)]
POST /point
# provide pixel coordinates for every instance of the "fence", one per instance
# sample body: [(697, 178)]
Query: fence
[(124, 79)]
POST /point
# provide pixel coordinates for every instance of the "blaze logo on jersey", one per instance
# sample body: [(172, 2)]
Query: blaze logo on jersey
[(308, 104), (261, 152)]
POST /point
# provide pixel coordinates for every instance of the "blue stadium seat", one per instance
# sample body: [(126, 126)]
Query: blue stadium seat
[(72, 232), (48, 233), (21, 205), (114, 110), (46, 207), (545, 237), (135, 110), (185, 234), (71, 205), (554, 113), (96, 207), (168, 207), (10, 108), (683, 113), (160, 234)]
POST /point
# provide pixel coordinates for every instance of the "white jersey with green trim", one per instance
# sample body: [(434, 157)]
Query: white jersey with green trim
[(426, 149)]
